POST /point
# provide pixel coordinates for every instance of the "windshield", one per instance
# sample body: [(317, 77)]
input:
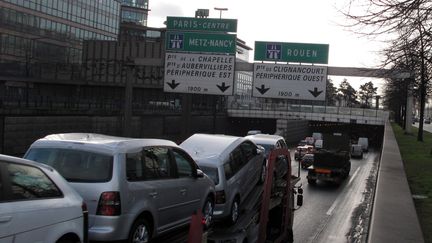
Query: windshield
[(268, 148), (75, 165), (212, 173)]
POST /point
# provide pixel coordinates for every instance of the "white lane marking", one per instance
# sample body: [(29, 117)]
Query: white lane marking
[(330, 211), (353, 176), (336, 202)]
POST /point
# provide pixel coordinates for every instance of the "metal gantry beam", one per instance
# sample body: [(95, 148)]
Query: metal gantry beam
[(334, 71)]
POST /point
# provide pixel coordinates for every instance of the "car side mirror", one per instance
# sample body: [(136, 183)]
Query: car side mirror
[(260, 149), (200, 173)]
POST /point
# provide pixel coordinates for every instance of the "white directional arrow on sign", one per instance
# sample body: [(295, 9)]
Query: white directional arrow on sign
[(286, 81), (199, 73)]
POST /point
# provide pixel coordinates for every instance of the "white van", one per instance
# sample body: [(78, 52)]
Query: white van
[(317, 135), (318, 144), (356, 151), (364, 142)]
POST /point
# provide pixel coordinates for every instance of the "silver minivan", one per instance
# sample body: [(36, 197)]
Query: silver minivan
[(234, 163), (135, 189)]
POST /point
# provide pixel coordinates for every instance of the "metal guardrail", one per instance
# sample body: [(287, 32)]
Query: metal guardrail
[(338, 110), (308, 112)]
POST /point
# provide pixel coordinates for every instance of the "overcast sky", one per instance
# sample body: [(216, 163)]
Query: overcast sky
[(305, 21)]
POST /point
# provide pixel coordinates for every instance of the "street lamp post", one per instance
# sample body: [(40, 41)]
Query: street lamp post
[(220, 11)]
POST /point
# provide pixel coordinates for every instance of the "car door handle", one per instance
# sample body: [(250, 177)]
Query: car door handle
[(5, 219), (183, 191), (153, 194)]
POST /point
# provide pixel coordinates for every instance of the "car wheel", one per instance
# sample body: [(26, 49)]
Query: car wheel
[(274, 188), (311, 182), (140, 232), (66, 240), (338, 180), (208, 212), (235, 211), (290, 236), (262, 173)]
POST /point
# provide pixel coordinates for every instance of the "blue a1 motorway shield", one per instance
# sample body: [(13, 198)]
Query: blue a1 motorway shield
[(274, 51), (176, 41)]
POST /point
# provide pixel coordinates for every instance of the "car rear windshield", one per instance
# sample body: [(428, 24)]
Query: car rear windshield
[(212, 173), (75, 165)]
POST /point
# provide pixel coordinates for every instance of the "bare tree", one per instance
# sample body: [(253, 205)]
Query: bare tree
[(406, 26)]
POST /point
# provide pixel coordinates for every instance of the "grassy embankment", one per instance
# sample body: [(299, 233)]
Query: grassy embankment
[(417, 158)]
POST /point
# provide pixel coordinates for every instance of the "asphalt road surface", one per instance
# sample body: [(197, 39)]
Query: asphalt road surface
[(332, 213), (329, 213), (426, 127)]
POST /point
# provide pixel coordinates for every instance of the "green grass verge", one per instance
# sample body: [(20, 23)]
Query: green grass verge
[(417, 160)]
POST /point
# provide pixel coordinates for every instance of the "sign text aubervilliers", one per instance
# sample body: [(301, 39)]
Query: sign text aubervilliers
[(291, 52), (199, 73), (285, 81), (200, 42), (202, 24)]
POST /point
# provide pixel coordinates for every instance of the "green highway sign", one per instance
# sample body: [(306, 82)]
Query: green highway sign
[(200, 42), (202, 24), (291, 52)]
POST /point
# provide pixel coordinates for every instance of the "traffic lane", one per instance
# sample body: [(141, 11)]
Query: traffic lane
[(331, 213), (426, 127), (317, 200)]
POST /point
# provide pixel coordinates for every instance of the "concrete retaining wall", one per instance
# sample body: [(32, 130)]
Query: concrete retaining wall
[(292, 130), (18, 133)]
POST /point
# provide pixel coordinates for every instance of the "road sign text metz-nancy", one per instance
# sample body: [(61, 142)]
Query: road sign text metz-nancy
[(200, 42), (291, 52), (202, 24)]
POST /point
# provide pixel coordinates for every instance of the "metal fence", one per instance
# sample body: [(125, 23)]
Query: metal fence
[(337, 110)]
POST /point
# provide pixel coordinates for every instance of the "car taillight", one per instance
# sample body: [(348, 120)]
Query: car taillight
[(220, 197), (85, 222), (109, 204)]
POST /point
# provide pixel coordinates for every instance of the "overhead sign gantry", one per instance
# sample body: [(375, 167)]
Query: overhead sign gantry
[(200, 56), (290, 81)]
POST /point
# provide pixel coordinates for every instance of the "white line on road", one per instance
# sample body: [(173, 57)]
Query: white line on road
[(333, 206), (353, 176)]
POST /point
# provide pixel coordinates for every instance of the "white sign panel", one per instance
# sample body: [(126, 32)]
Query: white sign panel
[(199, 73), (287, 81)]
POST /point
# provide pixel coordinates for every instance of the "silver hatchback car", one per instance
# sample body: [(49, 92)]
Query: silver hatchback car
[(135, 189), (271, 142), (38, 205), (235, 164)]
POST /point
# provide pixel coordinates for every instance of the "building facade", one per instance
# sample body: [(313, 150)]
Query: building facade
[(65, 67), (243, 80), (53, 30), (134, 12)]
